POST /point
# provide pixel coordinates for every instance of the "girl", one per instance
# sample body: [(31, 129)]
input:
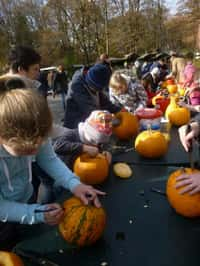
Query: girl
[(126, 92)]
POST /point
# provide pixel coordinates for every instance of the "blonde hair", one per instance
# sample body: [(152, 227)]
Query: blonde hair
[(24, 117), (116, 81)]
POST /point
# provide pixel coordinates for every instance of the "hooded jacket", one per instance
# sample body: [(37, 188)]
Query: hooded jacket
[(16, 187)]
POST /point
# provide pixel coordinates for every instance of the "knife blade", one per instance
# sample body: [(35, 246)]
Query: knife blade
[(190, 150)]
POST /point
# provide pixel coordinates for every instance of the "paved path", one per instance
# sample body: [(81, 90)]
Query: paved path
[(56, 107)]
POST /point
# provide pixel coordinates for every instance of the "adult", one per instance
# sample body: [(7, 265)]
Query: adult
[(104, 59), (60, 83), (86, 94), (25, 61), (177, 67), (189, 182)]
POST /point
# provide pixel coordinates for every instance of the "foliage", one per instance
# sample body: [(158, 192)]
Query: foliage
[(71, 31)]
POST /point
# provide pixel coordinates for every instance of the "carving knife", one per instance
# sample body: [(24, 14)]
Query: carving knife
[(190, 151)]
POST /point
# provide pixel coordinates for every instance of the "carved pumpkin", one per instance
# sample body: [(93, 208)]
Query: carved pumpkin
[(82, 225), (151, 144), (176, 114), (128, 127), (185, 204), (10, 259), (172, 88), (91, 170), (122, 170)]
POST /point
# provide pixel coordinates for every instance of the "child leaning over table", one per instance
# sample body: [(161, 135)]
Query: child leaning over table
[(192, 181), (127, 92), (87, 138), (25, 122)]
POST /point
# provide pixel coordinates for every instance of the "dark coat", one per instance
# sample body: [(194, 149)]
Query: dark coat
[(68, 146), (80, 102), (60, 82)]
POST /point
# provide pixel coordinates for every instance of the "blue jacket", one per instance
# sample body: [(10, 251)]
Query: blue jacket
[(16, 187), (80, 102)]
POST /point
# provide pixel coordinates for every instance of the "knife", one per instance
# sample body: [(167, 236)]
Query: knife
[(190, 150)]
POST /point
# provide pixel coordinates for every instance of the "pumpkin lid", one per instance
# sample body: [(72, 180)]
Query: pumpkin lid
[(149, 113)]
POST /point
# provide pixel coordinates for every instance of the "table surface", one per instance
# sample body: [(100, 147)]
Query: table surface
[(142, 229), (175, 155)]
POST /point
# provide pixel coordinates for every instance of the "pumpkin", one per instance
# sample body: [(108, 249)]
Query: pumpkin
[(176, 114), (10, 259), (184, 204), (91, 170), (151, 144), (128, 127), (82, 225), (122, 170), (161, 102), (172, 88)]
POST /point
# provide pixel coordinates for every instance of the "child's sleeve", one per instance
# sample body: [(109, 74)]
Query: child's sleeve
[(11, 211), (54, 167)]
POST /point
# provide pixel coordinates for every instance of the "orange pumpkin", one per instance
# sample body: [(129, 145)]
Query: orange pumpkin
[(176, 114), (151, 144), (91, 170), (10, 259), (172, 88), (161, 102), (82, 225), (128, 127), (185, 204)]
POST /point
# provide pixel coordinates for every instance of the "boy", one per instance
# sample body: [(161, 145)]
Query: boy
[(26, 121)]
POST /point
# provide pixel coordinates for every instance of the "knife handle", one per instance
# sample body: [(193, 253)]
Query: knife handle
[(188, 129)]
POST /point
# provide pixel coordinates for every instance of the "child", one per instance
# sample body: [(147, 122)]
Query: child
[(126, 92), (96, 130), (26, 121)]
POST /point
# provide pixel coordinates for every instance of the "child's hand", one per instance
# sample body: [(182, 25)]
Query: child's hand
[(91, 150), (108, 156), (53, 217), (88, 193), (191, 183)]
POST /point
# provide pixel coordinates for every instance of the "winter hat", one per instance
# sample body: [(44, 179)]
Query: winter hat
[(98, 76), (97, 128)]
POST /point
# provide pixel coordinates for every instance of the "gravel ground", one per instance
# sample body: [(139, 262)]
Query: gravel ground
[(56, 107)]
